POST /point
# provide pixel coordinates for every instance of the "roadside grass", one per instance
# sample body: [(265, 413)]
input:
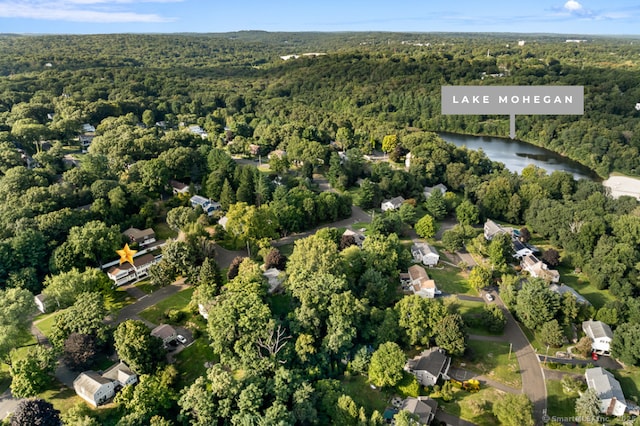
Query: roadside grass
[(190, 361), (117, 300), (361, 225), (539, 346), (179, 301), (360, 391), (474, 407), (450, 280), (146, 286), (491, 359), (470, 312), (559, 404), (578, 281)]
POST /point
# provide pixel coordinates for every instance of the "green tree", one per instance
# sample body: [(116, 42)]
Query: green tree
[(493, 318), (450, 334), (551, 334), (426, 226), (64, 288), (453, 240), (386, 366), (419, 318), (626, 343), (32, 372), (152, 395), (536, 304), (588, 405), (137, 347), (178, 218), (35, 412), (435, 205), (479, 277), (227, 195), (500, 251), (197, 403), (79, 351), (389, 143), (16, 308), (467, 213), (514, 410)]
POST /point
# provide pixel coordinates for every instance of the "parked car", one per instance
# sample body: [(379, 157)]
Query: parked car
[(594, 356), (489, 297), (181, 339)]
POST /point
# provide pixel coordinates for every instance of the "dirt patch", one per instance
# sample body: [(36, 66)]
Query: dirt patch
[(623, 185)]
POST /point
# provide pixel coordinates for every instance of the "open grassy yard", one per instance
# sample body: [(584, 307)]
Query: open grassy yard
[(598, 298), (190, 362), (559, 404), (491, 359), (371, 399), (474, 407), (629, 379), (5, 377), (179, 301), (61, 397), (45, 322), (450, 280), (163, 232), (470, 311)]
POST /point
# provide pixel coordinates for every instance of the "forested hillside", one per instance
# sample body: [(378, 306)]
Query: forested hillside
[(370, 84)]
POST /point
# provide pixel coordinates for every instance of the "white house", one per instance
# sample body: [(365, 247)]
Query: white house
[(608, 390), (98, 388), (491, 229), (223, 222), (428, 190), (178, 187), (273, 277), (420, 283), (94, 388), (197, 130), (538, 269), (392, 204), (41, 302), (600, 335), (431, 365), (563, 288), (407, 161), (207, 205), (126, 272), (425, 253), (520, 250)]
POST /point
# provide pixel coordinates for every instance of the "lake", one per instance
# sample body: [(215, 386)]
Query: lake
[(516, 155)]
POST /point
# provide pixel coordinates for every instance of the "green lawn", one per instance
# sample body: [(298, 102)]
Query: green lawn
[(286, 249), (450, 280), (179, 301), (118, 300), (360, 225), (629, 379), (474, 407), (146, 286), (61, 397), (163, 232), (470, 311), (363, 395), (190, 362), (44, 323), (5, 377), (559, 404), (579, 282), (491, 359)]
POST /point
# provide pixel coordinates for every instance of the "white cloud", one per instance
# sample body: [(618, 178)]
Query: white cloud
[(98, 11), (572, 6)]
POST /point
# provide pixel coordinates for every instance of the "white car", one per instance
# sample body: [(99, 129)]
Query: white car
[(181, 339), (489, 297)]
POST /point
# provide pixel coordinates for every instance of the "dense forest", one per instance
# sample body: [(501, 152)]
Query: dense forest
[(369, 84)]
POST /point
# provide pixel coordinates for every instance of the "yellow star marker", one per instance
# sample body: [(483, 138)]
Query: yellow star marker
[(126, 254)]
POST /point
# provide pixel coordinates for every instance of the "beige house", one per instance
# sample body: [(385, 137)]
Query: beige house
[(538, 269), (420, 283)]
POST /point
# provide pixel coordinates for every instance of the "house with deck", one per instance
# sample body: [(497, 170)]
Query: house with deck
[(608, 391), (127, 273), (538, 269)]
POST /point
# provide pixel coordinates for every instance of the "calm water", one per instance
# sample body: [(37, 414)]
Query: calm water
[(516, 155)]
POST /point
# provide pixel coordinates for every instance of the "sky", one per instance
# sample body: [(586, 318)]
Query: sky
[(611, 17)]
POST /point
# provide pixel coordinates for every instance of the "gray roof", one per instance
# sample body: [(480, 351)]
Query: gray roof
[(89, 382), (597, 329), (117, 371), (604, 384), (563, 288), (163, 331), (432, 361), (421, 406)]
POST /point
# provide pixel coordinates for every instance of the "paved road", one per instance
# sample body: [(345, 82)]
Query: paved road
[(533, 383), (451, 419), (8, 404)]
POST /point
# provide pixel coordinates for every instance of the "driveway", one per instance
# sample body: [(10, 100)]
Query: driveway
[(8, 404), (132, 311)]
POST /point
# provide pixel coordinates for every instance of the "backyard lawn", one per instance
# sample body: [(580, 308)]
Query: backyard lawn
[(45, 322), (474, 407), (491, 359), (559, 404), (179, 301), (190, 361), (598, 298), (471, 311), (363, 395), (450, 280)]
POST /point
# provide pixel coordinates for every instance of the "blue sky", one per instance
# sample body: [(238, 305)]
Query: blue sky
[(168, 16)]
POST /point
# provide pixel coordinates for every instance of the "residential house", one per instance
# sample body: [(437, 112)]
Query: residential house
[(121, 375), (126, 272), (608, 390), (254, 149), (420, 283), (600, 335), (428, 190), (407, 161), (178, 187), (423, 407), (197, 130), (563, 288), (277, 153), (392, 204), (538, 269), (273, 276), (142, 237), (165, 332), (207, 205), (358, 237), (520, 249), (203, 309), (491, 229), (94, 388), (431, 365), (97, 388), (41, 303), (423, 252)]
